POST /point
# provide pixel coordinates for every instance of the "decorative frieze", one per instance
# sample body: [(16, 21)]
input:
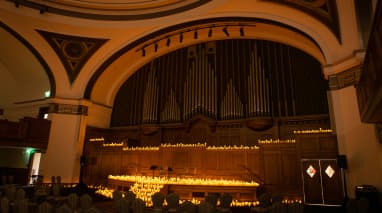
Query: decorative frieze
[(345, 78), (68, 109)]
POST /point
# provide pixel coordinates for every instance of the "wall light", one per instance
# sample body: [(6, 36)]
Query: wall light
[(47, 94)]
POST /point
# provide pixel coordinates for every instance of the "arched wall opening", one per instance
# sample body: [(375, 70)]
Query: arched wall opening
[(110, 76), (234, 79)]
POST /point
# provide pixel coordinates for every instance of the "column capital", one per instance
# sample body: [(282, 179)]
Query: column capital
[(345, 72), (68, 109), (345, 78), (354, 60)]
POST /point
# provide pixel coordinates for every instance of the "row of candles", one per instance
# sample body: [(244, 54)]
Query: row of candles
[(182, 145), (213, 147), (313, 131), (145, 192), (182, 181)]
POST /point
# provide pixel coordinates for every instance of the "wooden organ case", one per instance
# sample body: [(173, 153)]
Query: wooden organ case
[(243, 109)]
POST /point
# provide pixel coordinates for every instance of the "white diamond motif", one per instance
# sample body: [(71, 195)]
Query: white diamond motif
[(311, 171), (329, 171)]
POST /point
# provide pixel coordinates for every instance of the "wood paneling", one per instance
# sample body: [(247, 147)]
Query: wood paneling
[(276, 165), (28, 132)]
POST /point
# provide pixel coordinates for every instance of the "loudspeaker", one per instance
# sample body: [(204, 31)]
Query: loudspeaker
[(342, 162)]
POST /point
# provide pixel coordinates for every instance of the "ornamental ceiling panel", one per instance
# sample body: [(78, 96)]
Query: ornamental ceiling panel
[(73, 51), (323, 10), (114, 9)]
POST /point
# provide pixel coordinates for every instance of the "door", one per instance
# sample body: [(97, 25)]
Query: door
[(322, 183)]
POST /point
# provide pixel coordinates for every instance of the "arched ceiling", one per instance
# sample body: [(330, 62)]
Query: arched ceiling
[(30, 61), (23, 73), (113, 9)]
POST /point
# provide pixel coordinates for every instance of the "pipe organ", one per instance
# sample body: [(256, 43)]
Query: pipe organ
[(223, 80)]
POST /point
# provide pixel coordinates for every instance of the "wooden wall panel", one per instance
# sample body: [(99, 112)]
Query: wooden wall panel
[(179, 159), (196, 159), (253, 162), (226, 160), (290, 172), (272, 167), (239, 158), (211, 160), (277, 165)]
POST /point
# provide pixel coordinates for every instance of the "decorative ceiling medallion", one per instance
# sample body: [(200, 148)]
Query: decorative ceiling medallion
[(323, 10), (73, 51), (311, 171), (329, 171)]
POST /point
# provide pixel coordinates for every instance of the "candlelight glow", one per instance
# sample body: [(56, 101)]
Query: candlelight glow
[(114, 144), (288, 201), (167, 145), (145, 148), (276, 141), (105, 192), (197, 145), (96, 139), (234, 147), (144, 191), (182, 181), (312, 131), (145, 194)]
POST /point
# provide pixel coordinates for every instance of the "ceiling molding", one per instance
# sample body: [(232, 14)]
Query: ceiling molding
[(113, 11), (324, 10), (73, 51)]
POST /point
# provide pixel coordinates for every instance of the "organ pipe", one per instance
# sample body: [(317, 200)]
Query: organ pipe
[(291, 81), (242, 78)]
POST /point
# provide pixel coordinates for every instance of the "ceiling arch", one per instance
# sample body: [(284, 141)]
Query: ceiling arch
[(121, 65), (25, 76), (113, 9)]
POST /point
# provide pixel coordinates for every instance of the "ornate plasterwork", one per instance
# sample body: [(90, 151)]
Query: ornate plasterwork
[(73, 51), (344, 79)]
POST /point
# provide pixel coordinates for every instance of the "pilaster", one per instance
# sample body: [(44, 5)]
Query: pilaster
[(357, 140), (66, 141)]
